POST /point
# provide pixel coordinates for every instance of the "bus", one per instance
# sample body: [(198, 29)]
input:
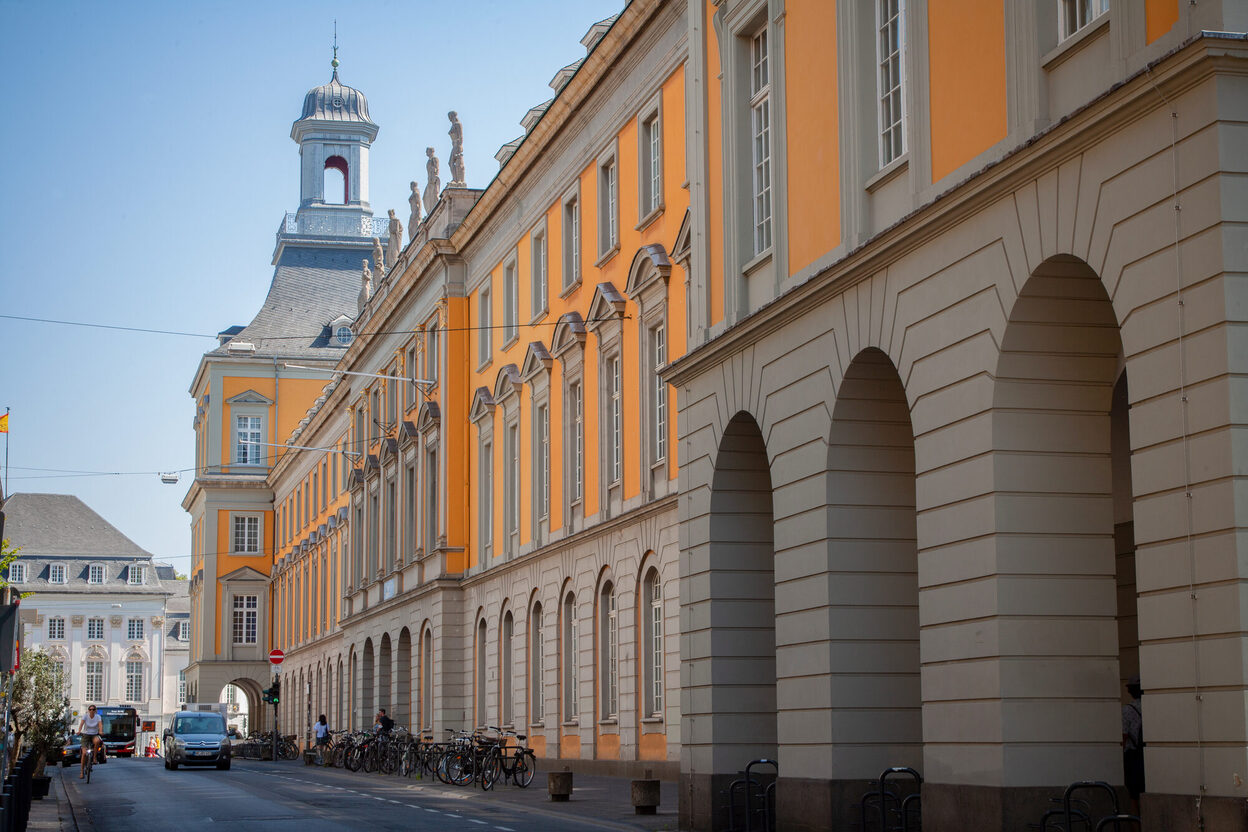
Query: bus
[(117, 728)]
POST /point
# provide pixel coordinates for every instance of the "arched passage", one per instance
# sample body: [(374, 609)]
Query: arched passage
[(385, 657), (403, 688), (728, 643), (367, 703), (252, 713)]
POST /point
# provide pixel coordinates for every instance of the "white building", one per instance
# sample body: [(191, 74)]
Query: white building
[(99, 605)]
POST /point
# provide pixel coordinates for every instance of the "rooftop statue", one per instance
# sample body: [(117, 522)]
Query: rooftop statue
[(379, 259), (366, 286), (413, 219), (394, 245), (457, 151), (434, 186)]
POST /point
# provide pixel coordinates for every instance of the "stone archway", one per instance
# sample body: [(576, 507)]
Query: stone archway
[(403, 687)]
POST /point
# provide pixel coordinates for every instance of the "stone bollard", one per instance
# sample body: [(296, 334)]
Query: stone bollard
[(646, 795), (559, 784), (309, 757)]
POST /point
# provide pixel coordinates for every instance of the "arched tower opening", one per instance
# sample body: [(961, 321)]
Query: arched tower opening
[(337, 181)]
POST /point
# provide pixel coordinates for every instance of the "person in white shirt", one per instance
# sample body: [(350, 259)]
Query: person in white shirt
[(89, 735), (322, 738)]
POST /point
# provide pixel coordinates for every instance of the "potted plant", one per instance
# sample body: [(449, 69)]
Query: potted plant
[(40, 711)]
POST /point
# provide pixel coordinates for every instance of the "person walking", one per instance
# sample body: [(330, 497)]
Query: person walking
[(322, 739), (1133, 744)]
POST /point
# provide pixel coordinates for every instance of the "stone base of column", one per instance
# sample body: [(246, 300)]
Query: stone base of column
[(807, 805), (955, 808), (1178, 813)]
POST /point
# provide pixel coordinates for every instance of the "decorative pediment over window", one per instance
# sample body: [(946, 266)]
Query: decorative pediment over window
[(507, 383), (650, 264), (249, 397), (407, 432), (536, 360), (482, 405), (606, 307), (371, 463), (342, 514), (569, 332), (389, 448), (95, 653), (136, 653), (58, 653), (429, 418), (683, 246), (245, 573)]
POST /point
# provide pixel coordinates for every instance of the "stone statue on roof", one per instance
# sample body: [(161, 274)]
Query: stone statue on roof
[(379, 259), (434, 184), (456, 162), (413, 219), (394, 245), (366, 286)]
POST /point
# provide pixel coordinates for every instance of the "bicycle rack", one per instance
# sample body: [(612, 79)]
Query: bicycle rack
[(768, 797), (1073, 813), (886, 792)]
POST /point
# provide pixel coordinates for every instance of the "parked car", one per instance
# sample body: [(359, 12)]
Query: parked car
[(71, 751), (197, 738)]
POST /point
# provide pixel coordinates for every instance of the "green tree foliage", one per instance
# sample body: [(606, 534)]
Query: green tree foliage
[(40, 710)]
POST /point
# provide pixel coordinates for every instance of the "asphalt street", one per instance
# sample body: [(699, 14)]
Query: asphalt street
[(129, 794)]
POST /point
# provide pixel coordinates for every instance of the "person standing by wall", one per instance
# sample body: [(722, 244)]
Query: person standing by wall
[(1133, 744)]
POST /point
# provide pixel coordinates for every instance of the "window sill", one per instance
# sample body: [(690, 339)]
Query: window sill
[(887, 173), (537, 726), (542, 313), (649, 218), (485, 365), (570, 288), (1074, 43), (512, 341), (608, 721), (606, 255), (757, 262), (652, 720), (571, 723)]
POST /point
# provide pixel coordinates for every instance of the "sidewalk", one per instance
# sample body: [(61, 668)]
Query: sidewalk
[(52, 813)]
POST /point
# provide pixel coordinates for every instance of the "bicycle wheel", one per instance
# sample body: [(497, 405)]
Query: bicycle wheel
[(387, 760), (524, 770), (289, 751), (354, 758), (491, 770), (459, 769)]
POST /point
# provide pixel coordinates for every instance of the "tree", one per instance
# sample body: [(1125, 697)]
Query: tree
[(8, 554), (40, 710)]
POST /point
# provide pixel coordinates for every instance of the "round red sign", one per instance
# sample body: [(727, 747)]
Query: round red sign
[(276, 656)]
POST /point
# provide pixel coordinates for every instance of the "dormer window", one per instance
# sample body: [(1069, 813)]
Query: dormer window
[(136, 575), (17, 573), (340, 329), (95, 574), (56, 573)]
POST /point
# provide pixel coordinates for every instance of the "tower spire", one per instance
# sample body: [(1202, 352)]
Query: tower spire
[(334, 62)]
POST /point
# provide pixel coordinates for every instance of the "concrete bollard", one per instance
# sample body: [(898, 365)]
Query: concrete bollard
[(559, 784), (645, 796)]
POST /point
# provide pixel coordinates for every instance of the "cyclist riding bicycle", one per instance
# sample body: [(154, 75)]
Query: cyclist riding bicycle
[(89, 735)]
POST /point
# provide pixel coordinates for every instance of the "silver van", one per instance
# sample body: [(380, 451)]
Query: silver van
[(197, 738)]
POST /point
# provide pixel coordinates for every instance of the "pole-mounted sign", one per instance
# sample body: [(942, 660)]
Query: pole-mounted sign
[(276, 657)]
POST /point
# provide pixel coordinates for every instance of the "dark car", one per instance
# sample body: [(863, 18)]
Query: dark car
[(71, 751), (197, 738)]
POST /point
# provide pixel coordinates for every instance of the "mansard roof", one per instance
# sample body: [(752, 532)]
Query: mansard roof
[(61, 525)]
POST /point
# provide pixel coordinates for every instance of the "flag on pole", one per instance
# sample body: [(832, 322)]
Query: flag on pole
[(4, 423)]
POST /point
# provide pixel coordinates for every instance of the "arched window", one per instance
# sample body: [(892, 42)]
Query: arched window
[(426, 680), (480, 718), (608, 652), (336, 181), (652, 648), (568, 662), (537, 666), (506, 691)]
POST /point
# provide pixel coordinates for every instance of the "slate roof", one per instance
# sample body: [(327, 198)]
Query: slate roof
[(312, 286), (63, 525), (335, 101)]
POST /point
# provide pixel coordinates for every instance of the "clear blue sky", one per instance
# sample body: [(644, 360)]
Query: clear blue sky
[(148, 162)]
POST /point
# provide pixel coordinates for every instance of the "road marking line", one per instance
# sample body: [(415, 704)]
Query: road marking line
[(474, 820)]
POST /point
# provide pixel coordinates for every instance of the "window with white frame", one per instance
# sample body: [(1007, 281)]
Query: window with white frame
[(248, 434), (17, 573), (576, 439), (245, 619), (571, 240), (95, 573), (56, 573), (511, 304), (94, 688), (409, 369), (136, 575), (409, 510), (652, 653), (392, 524), (537, 666), (571, 705), (392, 400), (485, 334), (374, 421), (537, 273), (134, 629), (542, 427), (615, 420), (56, 628), (480, 674), (426, 679), (180, 631), (431, 494), (246, 534), (760, 141), (487, 498), (891, 69), (608, 653), (1073, 15), (95, 629), (650, 160), (181, 687), (658, 394), (134, 681), (512, 449), (431, 352), (608, 204), (506, 689)]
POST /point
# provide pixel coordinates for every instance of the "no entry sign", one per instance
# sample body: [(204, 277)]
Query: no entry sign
[(276, 656)]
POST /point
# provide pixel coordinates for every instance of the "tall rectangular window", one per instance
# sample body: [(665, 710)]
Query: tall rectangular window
[(95, 629), (608, 206), (95, 682), (181, 687), (56, 628), (431, 353), (409, 367), (374, 535), (392, 399), (576, 416), (324, 485), (485, 334), (511, 304), (608, 655), (543, 464), (537, 666), (244, 623), (247, 534), (571, 704), (134, 681), (247, 439), (658, 394), (760, 140), (431, 511), (513, 483), (134, 629), (1073, 15), (571, 241), (392, 524), (487, 498), (409, 511), (650, 161), (615, 415), (653, 621), (537, 274), (889, 55), (374, 415), (506, 687)]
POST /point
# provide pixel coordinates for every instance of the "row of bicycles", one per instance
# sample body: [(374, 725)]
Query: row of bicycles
[(483, 757), (259, 746)]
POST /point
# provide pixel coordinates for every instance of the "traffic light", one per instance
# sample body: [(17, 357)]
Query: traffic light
[(273, 695)]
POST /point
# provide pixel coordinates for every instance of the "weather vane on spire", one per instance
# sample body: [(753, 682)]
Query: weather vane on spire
[(334, 62)]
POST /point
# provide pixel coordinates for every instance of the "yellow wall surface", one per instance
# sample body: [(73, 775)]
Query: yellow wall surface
[(1161, 16), (814, 206), (227, 563), (714, 169), (967, 96)]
